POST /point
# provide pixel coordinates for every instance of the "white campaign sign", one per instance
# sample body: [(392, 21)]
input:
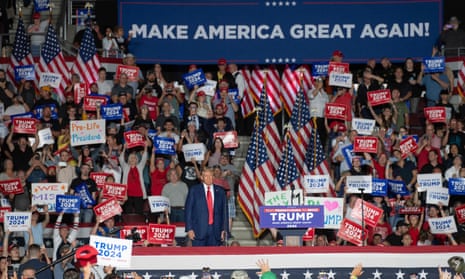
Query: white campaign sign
[(363, 126), (17, 221), (158, 203), (45, 137), (340, 79), (355, 182), (45, 193), (333, 210), (194, 150), (316, 183), (284, 197), (50, 79), (442, 225), (112, 251), (428, 180), (437, 196)]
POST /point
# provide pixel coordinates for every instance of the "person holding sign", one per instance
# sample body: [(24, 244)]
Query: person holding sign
[(387, 119), (370, 82), (21, 152), (434, 83), (205, 212), (84, 185), (62, 234), (133, 176)]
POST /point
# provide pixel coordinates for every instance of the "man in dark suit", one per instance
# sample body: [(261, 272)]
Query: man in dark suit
[(206, 212)]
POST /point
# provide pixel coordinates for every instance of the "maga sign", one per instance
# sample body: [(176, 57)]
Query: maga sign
[(291, 216)]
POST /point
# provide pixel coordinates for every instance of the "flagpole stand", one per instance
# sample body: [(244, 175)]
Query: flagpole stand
[(292, 237)]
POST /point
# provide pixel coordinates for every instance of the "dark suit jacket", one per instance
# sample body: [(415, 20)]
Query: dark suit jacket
[(196, 211)]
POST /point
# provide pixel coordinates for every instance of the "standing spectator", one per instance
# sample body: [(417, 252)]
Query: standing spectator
[(123, 43), (104, 85), (37, 33), (205, 214), (158, 175), (109, 44), (37, 227), (403, 170), (17, 107), (21, 152), (176, 191), (370, 82), (133, 177), (401, 85), (7, 90), (66, 172), (454, 170), (402, 119), (411, 75), (318, 99), (344, 96), (84, 180), (222, 67), (452, 38), (148, 97), (166, 113), (433, 83), (454, 135), (27, 92), (130, 60), (395, 238), (386, 72), (159, 75), (62, 234), (228, 102)]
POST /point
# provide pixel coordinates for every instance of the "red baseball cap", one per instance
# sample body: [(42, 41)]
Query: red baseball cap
[(86, 254), (201, 93), (36, 16), (338, 53), (222, 61)]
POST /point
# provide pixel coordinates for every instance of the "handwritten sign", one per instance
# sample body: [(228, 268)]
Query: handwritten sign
[(45, 193), (112, 251), (85, 132), (129, 231), (407, 146), (117, 190), (437, 196), (24, 125), (336, 111), (379, 97), (320, 69), (17, 221), (45, 137), (363, 126), (158, 203), (339, 79), (12, 186), (49, 79), (435, 114), (428, 180), (194, 150), (68, 204), (161, 234), (338, 67), (99, 178), (443, 225), (91, 103), (108, 209), (229, 138), (371, 213), (316, 183), (460, 213), (379, 187), (80, 91), (398, 187), (284, 197), (131, 71), (333, 210), (134, 139), (355, 182), (352, 232), (194, 78), (434, 64), (164, 145), (457, 186), (111, 111), (25, 72), (291, 216), (367, 144)]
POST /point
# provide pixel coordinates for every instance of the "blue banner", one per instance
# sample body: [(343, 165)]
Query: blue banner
[(397, 187), (86, 198), (194, 78), (41, 5), (164, 146), (258, 32), (434, 64), (25, 72), (379, 187), (68, 204), (457, 186), (415, 137), (292, 216), (112, 111), (348, 153), (21, 115), (38, 111), (320, 69), (151, 134)]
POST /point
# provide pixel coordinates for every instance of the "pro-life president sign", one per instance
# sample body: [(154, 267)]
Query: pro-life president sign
[(87, 132), (291, 216)]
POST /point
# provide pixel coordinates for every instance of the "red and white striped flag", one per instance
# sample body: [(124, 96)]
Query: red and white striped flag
[(461, 80), (291, 82), (52, 61), (248, 103), (273, 82), (87, 62)]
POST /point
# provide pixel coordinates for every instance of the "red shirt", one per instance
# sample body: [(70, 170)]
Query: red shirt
[(158, 181), (346, 99), (151, 102), (134, 187)]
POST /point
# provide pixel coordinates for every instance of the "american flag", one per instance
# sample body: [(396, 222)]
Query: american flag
[(287, 174), (87, 62), (52, 61), (316, 161), (273, 86), (291, 81), (461, 80), (258, 172), (248, 103), (21, 51)]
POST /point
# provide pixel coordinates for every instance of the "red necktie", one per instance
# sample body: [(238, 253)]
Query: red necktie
[(210, 205)]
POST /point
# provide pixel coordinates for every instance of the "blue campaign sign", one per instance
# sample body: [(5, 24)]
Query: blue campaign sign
[(112, 111), (379, 187), (86, 198), (164, 146), (320, 69), (25, 72), (434, 64), (292, 216), (68, 204), (457, 186), (348, 153), (38, 111), (398, 187), (257, 32), (22, 115), (41, 5), (151, 134), (194, 78)]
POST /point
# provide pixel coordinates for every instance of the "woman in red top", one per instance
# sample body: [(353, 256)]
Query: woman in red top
[(158, 174), (415, 223)]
